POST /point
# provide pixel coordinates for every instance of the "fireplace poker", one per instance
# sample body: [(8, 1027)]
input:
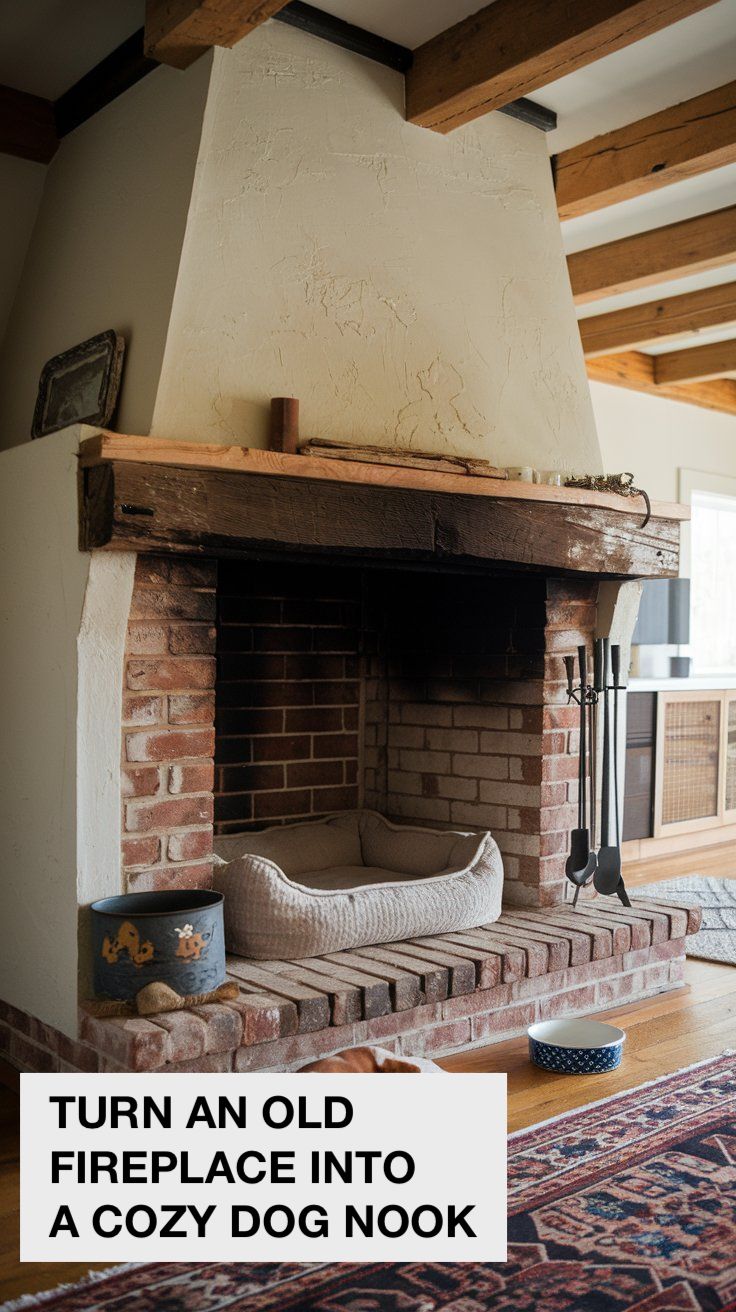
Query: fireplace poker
[(581, 861), (608, 878), (597, 690), (617, 685)]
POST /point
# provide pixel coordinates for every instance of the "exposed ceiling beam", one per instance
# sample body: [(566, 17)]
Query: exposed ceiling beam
[(706, 242), (635, 370), (179, 31), (512, 47), (24, 119), (114, 74), (27, 127), (317, 22), (675, 316), (696, 364), (335, 30), (676, 143)]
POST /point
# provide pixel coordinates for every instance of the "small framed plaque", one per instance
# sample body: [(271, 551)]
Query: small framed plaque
[(80, 386)]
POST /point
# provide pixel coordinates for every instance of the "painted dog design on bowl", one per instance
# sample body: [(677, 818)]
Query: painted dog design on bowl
[(127, 940), (191, 945)]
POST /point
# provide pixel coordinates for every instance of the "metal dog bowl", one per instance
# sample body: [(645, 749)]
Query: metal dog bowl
[(175, 938), (575, 1047)]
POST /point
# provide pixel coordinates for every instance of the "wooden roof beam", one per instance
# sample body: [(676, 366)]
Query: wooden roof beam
[(27, 127), (179, 31), (696, 364), (658, 321), (679, 142), (512, 47), (637, 371), (705, 242)]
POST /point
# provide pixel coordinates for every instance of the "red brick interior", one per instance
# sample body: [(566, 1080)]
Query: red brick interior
[(168, 725), (468, 724), (288, 693), (434, 698)]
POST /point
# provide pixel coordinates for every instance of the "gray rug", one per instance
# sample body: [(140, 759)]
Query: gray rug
[(716, 940)]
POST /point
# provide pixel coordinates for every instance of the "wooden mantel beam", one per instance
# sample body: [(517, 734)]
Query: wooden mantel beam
[(696, 364), (179, 31), (512, 47), (659, 321), (676, 143), (705, 242), (140, 506)]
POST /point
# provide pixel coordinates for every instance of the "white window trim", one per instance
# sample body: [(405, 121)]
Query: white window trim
[(698, 480)]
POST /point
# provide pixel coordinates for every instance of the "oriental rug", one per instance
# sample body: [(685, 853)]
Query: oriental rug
[(716, 938), (627, 1205)]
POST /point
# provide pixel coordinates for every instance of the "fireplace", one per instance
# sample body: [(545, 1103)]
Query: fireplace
[(259, 693), (279, 643)]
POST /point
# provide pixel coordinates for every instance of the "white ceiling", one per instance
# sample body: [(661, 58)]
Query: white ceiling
[(46, 45)]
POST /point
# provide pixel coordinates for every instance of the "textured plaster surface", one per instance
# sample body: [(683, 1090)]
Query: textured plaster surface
[(105, 247), (42, 589), (100, 655), (409, 288)]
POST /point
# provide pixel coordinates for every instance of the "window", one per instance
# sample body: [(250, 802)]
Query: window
[(713, 587)]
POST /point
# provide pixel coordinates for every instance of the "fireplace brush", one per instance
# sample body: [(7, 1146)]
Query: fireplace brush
[(585, 863)]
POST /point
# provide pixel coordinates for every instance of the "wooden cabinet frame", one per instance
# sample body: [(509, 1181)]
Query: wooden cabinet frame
[(721, 816)]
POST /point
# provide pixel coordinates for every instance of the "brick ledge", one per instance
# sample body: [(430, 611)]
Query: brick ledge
[(422, 997)]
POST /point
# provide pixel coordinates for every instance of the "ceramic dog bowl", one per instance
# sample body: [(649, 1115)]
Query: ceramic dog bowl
[(575, 1047)]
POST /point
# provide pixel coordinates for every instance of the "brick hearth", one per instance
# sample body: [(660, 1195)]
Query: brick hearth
[(426, 996)]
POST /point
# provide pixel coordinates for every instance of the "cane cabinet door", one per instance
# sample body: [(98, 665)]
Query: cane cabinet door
[(729, 758), (689, 793)]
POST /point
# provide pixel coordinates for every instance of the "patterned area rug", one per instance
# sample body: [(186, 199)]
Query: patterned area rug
[(628, 1205), (716, 939)]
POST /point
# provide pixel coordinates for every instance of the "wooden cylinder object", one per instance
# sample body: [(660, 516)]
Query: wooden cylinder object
[(284, 424)]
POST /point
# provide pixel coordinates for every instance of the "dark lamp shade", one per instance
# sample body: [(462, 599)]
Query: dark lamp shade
[(664, 613)]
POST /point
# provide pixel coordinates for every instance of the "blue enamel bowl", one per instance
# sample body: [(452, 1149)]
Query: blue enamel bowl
[(575, 1047)]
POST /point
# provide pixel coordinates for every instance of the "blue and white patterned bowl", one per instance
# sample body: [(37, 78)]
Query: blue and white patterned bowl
[(575, 1047)]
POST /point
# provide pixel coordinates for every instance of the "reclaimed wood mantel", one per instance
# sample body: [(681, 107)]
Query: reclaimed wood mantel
[(151, 494)]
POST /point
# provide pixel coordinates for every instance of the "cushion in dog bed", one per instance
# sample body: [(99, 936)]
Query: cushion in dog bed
[(353, 879)]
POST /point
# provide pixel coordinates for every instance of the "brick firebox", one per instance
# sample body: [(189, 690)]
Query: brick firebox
[(260, 693)]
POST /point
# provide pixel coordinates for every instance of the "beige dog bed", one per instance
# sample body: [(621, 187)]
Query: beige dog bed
[(350, 880)]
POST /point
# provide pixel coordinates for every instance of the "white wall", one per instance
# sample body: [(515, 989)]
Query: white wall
[(406, 286), (63, 618), (42, 585), (105, 248), (21, 184), (655, 438)]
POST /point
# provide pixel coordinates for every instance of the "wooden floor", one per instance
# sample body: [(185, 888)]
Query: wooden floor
[(664, 1034), (719, 862)]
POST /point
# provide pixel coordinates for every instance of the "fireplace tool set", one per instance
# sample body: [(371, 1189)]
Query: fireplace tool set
[(589, 859)]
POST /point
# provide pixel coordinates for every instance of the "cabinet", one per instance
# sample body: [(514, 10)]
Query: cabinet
[(680, 763), (641, 725)]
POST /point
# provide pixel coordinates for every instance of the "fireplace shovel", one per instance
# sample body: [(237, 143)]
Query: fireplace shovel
[(581, 862), (608, 873)]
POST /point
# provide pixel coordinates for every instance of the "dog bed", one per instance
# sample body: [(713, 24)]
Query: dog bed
[(353, 879)]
